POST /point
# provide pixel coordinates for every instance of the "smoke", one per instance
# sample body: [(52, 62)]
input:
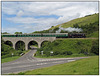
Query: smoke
[(69, 29), (60, 28)]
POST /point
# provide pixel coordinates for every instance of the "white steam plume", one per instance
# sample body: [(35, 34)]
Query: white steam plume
[(69, 29)]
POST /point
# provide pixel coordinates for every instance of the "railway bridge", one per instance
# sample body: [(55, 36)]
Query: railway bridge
[(39, 38), (27, 40)]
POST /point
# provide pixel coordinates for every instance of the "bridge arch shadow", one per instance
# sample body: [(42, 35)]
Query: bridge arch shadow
[(9, 43), (32, 44), (20, 45)]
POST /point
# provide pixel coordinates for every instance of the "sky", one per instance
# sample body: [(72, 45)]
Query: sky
[(28, 17)]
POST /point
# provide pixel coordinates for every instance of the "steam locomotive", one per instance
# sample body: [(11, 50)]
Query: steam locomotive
[(57, 35), (76, 35)]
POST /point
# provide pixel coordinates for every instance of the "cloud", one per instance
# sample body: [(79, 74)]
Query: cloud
[(10, 30), (20, 13), (67, 18), (31, 24), (48, 8), (25, 13), (30, 20), (21, 19)]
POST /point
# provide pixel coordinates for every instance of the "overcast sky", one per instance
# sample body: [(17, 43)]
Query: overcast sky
[(28, 17)]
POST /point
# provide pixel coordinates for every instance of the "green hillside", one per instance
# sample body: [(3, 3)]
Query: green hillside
[(69, 47), (89, 24), (80, 21)]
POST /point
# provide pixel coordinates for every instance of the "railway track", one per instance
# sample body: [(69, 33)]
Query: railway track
[(76, 38)]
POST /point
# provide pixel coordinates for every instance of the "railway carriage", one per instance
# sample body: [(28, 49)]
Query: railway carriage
[(57, 35)]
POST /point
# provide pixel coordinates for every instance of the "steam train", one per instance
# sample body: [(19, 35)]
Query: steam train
[(57, 35), (76, 35)]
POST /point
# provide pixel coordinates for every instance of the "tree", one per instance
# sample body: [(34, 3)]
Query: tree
[(5, 33), (52, 26), (76, 25), (67, 53), (25, 33), (18, 33), (56, 53)]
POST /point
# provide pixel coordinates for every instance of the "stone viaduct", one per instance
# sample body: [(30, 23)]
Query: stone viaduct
[(27, 40)]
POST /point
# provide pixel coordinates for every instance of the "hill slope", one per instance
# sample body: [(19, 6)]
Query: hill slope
[(80, 21), (89, 24)]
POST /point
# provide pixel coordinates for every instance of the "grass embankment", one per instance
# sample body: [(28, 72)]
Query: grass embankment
[(62, 56), (9, 59), (88, 66), (67, 48)]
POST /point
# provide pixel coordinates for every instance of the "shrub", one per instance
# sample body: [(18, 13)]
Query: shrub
[(67, 53), (56, 53), (19, 51), (91, 54), (79, 43), (56, 43), (82, 51), (95, 47), (47, 53), (21, 73)]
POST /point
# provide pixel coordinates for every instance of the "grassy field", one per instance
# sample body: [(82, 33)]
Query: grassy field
[(9, 59), (87, 66)]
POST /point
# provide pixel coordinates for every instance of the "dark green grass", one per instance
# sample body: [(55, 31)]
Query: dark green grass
[(87, 66)]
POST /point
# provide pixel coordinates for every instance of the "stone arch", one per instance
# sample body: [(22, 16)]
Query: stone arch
[(32, 42), (8, 42), (18, 43)]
